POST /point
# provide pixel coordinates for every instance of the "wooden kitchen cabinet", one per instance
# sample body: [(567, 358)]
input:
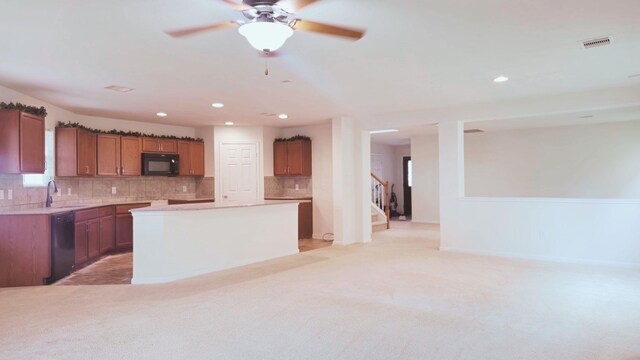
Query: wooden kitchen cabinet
[(25, 249), (119, 155), (191, 158), (292, 158), (124, 225), (131, 156), (81, 240), (75, 152), (154, 145), (21, 143), (305, 220), (93, 238), (107, 229), (108, 155)]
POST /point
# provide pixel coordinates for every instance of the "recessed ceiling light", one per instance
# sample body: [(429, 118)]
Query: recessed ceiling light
[(217, 105), (383, 131), (501, 79), (229, 123), (117, 88), (161, 114), (283, 116)]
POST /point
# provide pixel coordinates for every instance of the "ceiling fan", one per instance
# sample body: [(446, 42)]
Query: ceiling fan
[(270, 23)]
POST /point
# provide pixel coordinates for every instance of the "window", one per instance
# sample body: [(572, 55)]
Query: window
[(39, 180)]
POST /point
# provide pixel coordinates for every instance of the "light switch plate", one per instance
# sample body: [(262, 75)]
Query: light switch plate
[(68, 191), (9, 194), (297, 187), (184, 189), (113, 190)]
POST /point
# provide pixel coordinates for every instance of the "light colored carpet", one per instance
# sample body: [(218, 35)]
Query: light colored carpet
[(397, 298)]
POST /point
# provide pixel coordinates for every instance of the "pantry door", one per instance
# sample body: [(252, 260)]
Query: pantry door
[(239, 176)]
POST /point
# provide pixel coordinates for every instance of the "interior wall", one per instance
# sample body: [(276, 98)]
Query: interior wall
[(425, 196), (585, 161), (322, 174), (207, 134), (578, 230)]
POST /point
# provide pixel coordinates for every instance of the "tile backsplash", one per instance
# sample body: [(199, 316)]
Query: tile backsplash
[(286, 186), (100, 190)]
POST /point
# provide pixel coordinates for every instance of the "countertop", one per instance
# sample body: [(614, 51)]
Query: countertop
[(76, 207), (288, 198), (211, 206)]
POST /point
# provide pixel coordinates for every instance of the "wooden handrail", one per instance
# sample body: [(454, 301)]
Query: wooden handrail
[(385, 185)]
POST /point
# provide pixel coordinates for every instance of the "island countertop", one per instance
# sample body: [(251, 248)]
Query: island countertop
[(212, 206)]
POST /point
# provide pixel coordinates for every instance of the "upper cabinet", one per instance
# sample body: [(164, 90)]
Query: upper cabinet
[(191, 158), (292, 158), (21, 143), (153, 145), (119, 155), (75, 152)]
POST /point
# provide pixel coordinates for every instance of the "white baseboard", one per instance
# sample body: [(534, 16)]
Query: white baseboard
[(555, 259)]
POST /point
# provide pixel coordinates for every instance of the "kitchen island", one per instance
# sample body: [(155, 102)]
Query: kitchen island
[(180, 241)]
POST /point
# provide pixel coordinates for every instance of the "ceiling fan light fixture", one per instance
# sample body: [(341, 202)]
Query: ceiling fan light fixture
[(265, 35)]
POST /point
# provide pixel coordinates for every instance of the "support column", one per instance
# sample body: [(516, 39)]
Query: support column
[(451, 155), (351, 162)]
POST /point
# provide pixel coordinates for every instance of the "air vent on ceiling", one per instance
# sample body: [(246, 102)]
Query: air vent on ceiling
[(119, 88), (593, 43), (473, 131)]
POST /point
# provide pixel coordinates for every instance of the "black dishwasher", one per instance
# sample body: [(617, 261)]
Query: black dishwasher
[(63, 246)]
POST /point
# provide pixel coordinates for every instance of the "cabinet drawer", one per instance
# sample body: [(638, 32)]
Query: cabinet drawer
[(105, 211), (83, 215), (124, 209)]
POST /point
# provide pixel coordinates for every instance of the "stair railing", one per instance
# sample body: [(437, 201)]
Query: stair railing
[(380, 195)]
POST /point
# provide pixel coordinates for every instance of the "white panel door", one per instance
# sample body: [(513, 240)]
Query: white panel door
[(239, 173)]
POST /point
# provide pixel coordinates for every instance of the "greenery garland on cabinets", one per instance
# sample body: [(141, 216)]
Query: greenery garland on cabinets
[(294, 138), (125, 133), (33, 110)]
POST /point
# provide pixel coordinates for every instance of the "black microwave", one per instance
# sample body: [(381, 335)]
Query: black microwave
[(160, 164)]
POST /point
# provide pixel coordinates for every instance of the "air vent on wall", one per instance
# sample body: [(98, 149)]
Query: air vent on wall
[(593, 43), (473, 131)]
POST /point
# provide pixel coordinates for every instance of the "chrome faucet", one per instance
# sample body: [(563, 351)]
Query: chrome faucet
[(55, 190)]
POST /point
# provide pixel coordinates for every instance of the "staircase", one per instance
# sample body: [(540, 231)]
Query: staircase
[(379, 204)]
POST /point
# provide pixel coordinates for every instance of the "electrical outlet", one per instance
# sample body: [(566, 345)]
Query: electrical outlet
[(297, 187), (9, 194), (68, 191), (1, 194), (113, 190), (184, 189)]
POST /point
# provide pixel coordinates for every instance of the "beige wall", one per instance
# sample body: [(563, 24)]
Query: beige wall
[(587, 161), (425, 197)]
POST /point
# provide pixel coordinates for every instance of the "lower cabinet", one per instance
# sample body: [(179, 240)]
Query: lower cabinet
[(305, 220), (101, 230)]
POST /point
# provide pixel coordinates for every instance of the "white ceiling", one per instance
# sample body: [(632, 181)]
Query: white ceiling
[(417, 56)]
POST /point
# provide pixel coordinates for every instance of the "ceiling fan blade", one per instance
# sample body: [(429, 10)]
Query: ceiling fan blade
[(312, 26), (293, 6), (237, 5), (203, 28)]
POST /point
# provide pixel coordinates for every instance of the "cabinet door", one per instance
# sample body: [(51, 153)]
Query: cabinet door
[(197, 158), (107, 227), (93, 238), (168, 146), (294, 157), (184, 151), (150, 145), (86, 153), (280, 158), (108, 155), (131, 158), (81, 237), (31, 144), (124, 230), (305, 220)]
